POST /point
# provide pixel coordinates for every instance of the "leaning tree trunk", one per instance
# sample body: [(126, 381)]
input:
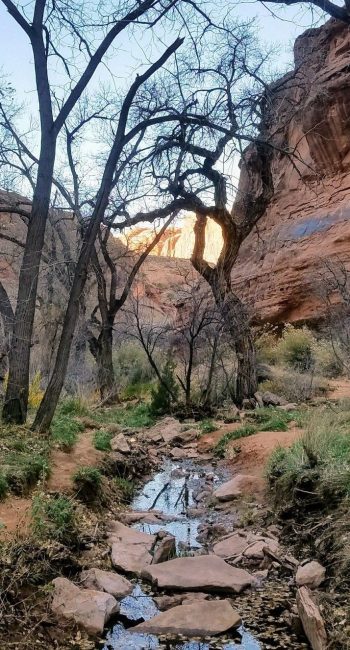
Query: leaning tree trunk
[(102, 350), (16, 398), (246, 382)]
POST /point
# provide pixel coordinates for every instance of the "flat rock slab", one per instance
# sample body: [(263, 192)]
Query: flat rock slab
[(311, 619), (202, 573), (231, 546), (130, 558), (90, 609), (107, 581), (241, 483), (197, 619), (118, 532), (310, 575)]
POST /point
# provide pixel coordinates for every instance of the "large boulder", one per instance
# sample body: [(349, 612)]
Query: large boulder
[(238, 485), (311, 574), (311, 619), (118, 532), (90, 609), (107, 581), (206, 573), (130, 558), (271, 399), (120, 443), (201, 618)]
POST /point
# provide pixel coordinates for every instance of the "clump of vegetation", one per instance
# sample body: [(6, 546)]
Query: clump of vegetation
[(132, 416), (271, 419), (316, 466), (295, 386), (126, 487), (65, 431), (207, 426), (53, 517), (23, 459), (4, 486), (102, 440), (88, 482), (73, 406), (164, 396), (35, 394), (241, 432)]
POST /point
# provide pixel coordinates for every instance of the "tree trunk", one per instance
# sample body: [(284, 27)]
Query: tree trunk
[(246, 383), (16, 398), (102, 350)]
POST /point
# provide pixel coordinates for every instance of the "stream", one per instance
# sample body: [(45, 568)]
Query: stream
[(172, 491)]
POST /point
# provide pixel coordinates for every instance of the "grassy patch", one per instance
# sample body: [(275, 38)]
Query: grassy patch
[(102, 440), (73, 406), (88, 481), (65, 431), (131, 416), (23, 459), (241, 432), (53, 517), (317, 466), (207, 426), (271, 419)]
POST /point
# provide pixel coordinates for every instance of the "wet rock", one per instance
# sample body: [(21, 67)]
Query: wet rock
[(311, 619), (146, 517), (241, 483), (165, 550), (271, 399), (204, 573), (197, 619), (120, 443), (130, 558), (107, 581), (310, 575), (88, 608)]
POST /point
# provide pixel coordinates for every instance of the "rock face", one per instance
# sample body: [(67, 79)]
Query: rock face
[(309, 217), (88, 608), (203, 573), (197, 619)]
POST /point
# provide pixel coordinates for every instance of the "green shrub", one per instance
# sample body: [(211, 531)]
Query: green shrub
[(241, 432), (102, 440), (3, 486), (141, 389), (65, 431), (53, 517), (88, 481), (162, 399), (126, 487), (207, 426), (295, 348), (131, 365), (327, 361)]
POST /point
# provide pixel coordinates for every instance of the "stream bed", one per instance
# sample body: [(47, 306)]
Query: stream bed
[(172, 491)]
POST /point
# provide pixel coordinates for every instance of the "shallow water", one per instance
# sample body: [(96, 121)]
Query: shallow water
[(172, 495)]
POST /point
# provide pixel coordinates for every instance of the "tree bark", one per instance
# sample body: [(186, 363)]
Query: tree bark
[(16, 398), (102, 350), (246, 382)]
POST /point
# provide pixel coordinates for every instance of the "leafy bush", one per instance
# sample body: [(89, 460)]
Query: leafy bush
[(131, 365), (295, 348), (88, 481), (102, 440), (53, 517), (162, 399), (35, 394), (241, 432), (65, 431), (3, 486), (207, 426)]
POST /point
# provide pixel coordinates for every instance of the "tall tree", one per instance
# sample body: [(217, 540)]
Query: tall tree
[(49, 22)]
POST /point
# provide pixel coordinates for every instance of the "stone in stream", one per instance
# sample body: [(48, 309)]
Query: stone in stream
[(120, 443), (311, 575), (203, 573), (167, 602), (311, 619), (130, 558), (202, 618), (108, 581), (165, 550), (90, 609), (239, 484)]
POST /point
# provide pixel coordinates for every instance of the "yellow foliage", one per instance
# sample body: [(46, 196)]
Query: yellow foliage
[(35, 392)]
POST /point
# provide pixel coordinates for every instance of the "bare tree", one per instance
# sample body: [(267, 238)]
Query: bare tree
[(326, 6), (49, 25)]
